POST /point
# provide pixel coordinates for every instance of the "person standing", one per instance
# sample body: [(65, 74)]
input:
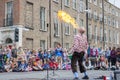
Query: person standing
[(59, 55), (79, 48), (113, 56), (107, 55), (14, 52)]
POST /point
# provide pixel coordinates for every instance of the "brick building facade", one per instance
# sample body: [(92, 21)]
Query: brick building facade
[(39, 25)]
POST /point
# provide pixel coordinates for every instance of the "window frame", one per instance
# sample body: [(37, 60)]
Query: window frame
[(43, 28), (67, 3), (43, 42), (67, 26), (74, 5), (56, 22)]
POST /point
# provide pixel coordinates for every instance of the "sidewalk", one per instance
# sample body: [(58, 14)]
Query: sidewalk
[(59, 75)]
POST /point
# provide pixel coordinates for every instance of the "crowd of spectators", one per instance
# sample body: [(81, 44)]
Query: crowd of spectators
[(108, 59), (20, 60), (13, 59)]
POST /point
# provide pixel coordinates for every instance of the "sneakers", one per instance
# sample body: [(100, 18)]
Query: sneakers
[(85, 77), (76, 78)]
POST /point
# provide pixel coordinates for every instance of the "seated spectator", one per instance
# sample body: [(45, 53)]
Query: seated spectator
[(29, 67), (45, 66), (103, 63), (23, 66), (36, 65), (8, 66), (53, 64), (88, 65), (15, 66)]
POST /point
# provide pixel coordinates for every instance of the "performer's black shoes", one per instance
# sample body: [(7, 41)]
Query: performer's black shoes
[(85, 77), (76, 78)]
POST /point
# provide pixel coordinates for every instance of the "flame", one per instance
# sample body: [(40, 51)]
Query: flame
[(67, 18)]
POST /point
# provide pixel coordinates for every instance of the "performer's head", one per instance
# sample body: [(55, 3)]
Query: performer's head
[(81, 30)]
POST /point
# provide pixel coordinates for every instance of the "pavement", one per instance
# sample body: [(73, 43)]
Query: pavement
[(56, 75)]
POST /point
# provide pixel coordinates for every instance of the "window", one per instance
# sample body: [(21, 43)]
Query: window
[(29, 15), (9, 14), (110, 35), (117, 24), (113, 11), (113, 20), (105, 20), (105, 36), (100, 4), (42, 44), (29, 42), (118, 38), (116, 13), (75, 31), (81, 6), (81, 22), (56, 1), (42, 19), (100, 17), (67, 2), (90, 13), (56, 25), (109, 9), (67, 46), (95, 15), (95, 2), (105, 7), (101, 34), (74, 4), (67, 29), (114, 37), (95, 34), (90, 1), (109, 21), (90, 31), (8, 41)]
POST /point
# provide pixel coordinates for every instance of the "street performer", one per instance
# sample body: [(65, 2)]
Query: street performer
[(79, 49)]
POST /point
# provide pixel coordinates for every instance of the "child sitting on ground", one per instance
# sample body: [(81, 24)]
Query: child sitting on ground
[(23, 66)]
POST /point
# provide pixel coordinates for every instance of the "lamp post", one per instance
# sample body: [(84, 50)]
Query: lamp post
[(50, 23), (103, 23), (87, 20), (62, 34)]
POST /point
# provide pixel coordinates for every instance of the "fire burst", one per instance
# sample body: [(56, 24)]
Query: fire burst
[(67, 18)]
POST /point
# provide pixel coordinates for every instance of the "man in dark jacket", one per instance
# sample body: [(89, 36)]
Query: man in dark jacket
[(14, 52), (113, 56)]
